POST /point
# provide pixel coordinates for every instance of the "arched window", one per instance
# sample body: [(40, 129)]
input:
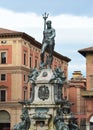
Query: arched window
[(4, 116), (4, 120)]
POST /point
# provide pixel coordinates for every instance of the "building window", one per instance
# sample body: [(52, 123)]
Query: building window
[(24, 91), (3, 57), (3, 77), (24, 58), (24, 77), (36, 63), (30, 64), (2, 95)]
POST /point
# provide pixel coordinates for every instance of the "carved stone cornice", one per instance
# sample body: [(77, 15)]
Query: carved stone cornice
[(14, 69)]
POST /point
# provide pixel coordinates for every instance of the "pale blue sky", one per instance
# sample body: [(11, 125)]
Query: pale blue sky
[(72, 20), (55, 7)]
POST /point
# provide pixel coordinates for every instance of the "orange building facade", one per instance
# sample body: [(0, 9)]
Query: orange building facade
[(19, 52), (75, 86), (88, 93)]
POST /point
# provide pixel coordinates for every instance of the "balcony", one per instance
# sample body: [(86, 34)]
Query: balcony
[(87, 93)]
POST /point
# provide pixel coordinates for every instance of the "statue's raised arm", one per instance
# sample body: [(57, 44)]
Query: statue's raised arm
[(48, 42)]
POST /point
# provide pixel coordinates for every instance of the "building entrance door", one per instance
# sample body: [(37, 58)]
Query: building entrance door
[(4, 120), (4, 126)]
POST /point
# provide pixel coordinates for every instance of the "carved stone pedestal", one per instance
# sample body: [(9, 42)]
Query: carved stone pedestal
[(42, 117), (42, 109)]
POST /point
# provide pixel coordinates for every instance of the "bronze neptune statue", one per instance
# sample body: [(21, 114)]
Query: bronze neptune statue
[(48, 42)]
